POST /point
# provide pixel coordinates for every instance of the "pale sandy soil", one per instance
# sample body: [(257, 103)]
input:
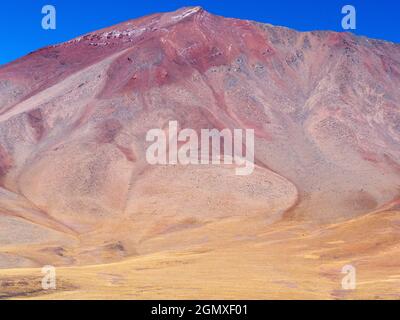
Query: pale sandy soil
[(239, 259)]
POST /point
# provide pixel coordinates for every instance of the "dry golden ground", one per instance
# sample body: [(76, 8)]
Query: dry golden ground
[(239, 258)]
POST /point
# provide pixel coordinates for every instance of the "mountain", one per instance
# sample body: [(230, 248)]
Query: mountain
[(76, 189)]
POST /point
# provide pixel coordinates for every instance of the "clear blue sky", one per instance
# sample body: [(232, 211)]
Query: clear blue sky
[(21, 31)]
